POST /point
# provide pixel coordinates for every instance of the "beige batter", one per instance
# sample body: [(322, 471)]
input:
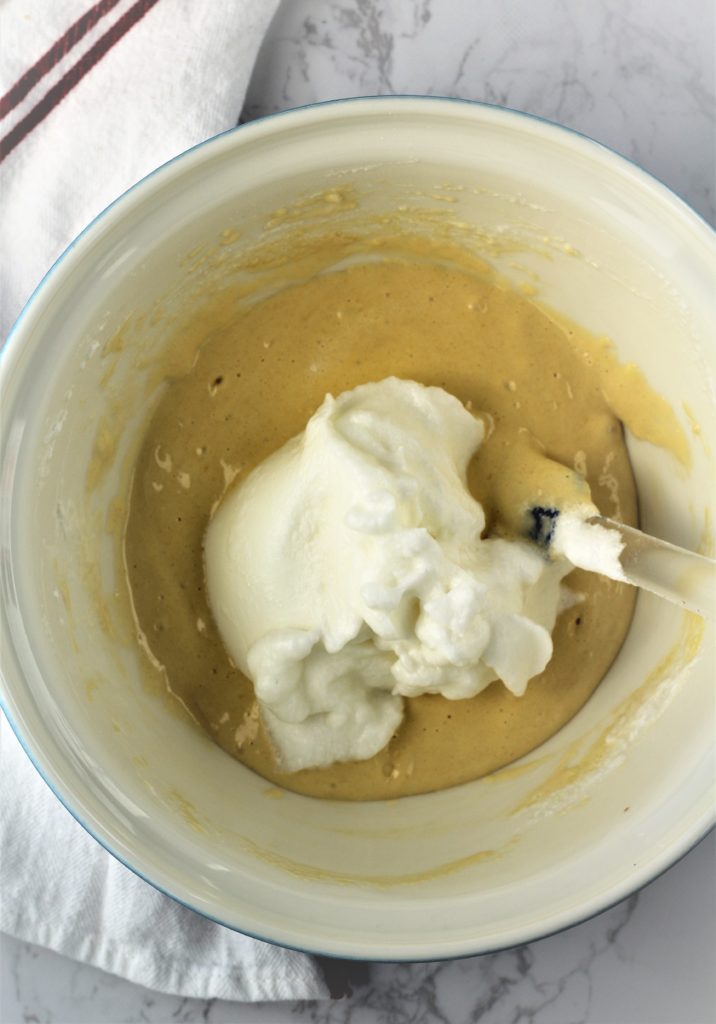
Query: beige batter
[(260, 374)]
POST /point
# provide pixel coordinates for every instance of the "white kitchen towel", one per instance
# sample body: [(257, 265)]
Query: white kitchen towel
[(94, 97), (59, 888)]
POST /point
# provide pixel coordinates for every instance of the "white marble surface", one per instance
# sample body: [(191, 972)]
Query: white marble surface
[(639, 76)]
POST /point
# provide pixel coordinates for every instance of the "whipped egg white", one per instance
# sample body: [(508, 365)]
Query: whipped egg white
[(348, 571)]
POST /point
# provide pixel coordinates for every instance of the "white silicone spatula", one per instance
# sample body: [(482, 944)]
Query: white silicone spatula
[(623, 553)]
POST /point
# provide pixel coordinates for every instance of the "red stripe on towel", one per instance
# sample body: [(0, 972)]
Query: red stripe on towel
[(54, 55), (75, 74)]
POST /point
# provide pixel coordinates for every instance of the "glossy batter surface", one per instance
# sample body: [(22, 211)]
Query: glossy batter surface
[(260, 374)]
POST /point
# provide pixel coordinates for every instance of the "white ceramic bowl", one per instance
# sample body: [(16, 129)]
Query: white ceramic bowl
[(612, 800)]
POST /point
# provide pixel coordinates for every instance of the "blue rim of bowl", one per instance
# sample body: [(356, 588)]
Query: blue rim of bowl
[(437, 100)]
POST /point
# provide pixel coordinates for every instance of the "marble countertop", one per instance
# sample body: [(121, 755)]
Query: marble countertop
[(637, 75)]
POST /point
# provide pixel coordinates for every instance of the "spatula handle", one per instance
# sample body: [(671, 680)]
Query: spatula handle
[(680, 576)]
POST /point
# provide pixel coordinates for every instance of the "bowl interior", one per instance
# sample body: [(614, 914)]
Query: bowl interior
[(607, 803)]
